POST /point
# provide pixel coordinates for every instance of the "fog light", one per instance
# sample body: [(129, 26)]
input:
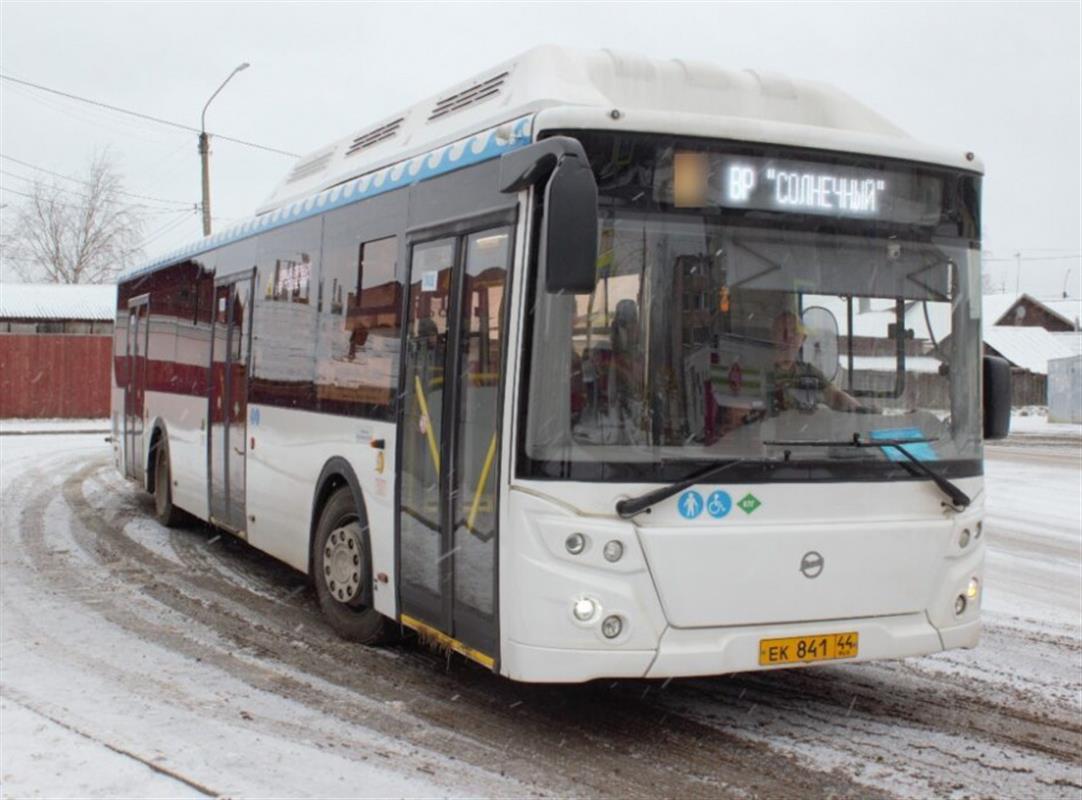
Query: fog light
[(611, 627), (960, 605), (963, 538), (613, 550), (584, 609), (575, 543), (973, 588)]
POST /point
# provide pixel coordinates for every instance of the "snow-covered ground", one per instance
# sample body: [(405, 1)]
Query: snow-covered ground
[(13, 426), (137, 661), (1034, 421)]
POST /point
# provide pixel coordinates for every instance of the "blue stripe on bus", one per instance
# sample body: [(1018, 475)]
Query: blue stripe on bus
[(462, 153)]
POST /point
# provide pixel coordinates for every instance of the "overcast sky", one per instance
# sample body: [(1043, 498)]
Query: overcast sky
[(1001, 79)]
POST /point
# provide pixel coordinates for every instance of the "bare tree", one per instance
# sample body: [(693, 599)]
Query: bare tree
[(85, 234)]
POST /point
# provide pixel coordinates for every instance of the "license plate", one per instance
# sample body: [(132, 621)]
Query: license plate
[(803, 649)]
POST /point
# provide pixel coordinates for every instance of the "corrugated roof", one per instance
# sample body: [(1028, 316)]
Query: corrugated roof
[(1024, 346), (95, 302)]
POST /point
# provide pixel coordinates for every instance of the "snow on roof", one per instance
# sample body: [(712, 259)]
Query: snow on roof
[(1068, 308), (925, 364), (78, 301), (997, 305), (1028, 347), (994, 306), (1072, 340)]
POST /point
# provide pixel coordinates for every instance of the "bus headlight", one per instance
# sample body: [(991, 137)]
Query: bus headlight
[(963, 538), (973, 589), (613, 551), (584, 609), (960, 605)]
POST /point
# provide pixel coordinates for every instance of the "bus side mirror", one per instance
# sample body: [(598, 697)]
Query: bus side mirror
[(568, 249), (997, 397)]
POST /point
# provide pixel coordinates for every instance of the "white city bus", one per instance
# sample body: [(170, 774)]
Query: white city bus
[(592, 366)]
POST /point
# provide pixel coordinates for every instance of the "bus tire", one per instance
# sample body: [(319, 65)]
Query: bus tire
[(342, 571), (166, 513)]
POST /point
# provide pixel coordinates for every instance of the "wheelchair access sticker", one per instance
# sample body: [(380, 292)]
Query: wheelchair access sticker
[(718, 504)]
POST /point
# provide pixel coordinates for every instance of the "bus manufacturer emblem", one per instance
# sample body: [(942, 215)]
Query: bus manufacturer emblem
[(812, 564)]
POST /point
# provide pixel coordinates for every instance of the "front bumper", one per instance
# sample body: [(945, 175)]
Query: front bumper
[(717, 651)]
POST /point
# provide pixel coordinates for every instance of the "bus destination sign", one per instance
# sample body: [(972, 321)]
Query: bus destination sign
[(803, 187), (802, 190)]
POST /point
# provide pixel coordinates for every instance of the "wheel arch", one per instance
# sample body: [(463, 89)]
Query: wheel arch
[(158, 431), (336, 473)]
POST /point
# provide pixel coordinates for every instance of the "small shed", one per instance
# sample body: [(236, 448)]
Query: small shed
[(56, 343), (1029, 350), (1065, 389)]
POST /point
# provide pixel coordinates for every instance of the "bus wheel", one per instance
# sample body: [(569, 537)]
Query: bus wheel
[(342, 573), (168, 515)]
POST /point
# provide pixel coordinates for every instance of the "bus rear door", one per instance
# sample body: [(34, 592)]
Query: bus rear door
[(135, 388), (228, 411)]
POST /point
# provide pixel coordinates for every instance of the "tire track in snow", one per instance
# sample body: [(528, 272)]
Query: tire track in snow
[(776, 733), (487, 721), (110, 594)]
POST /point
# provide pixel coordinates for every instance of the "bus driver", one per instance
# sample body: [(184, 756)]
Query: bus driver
[(795, 384)]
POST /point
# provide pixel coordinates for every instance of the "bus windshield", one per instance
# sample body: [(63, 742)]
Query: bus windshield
[(717, 334)]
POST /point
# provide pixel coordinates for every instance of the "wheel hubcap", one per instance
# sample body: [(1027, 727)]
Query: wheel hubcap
[(342, 562)]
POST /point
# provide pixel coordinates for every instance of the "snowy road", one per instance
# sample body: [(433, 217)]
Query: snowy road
[(141, 661)]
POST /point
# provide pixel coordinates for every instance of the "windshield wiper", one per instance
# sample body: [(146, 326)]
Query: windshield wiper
[(630, 506), (958, 498)]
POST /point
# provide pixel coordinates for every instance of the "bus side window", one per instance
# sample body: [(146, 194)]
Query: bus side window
[(360, 322), (372, 317)]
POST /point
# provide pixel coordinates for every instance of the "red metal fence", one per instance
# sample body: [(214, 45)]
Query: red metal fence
[(55, 376)]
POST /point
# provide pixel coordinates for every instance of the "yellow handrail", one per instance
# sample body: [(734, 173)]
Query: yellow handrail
[(428, 423), (481, 483)]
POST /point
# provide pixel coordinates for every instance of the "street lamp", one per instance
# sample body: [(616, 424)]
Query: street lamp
[(204, 149)]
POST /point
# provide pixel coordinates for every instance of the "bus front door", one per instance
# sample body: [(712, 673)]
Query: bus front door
[(449, 440), (135, 388), (228, 413)]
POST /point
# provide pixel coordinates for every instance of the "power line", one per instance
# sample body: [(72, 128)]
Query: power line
[(149, 208), (87, 183), (150, 213), (140, 115), (1016, 259), (98, 118), (169, 226), (153, 210)]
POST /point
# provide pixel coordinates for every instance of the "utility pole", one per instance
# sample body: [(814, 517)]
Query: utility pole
[(204, 149), (204, 156)]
